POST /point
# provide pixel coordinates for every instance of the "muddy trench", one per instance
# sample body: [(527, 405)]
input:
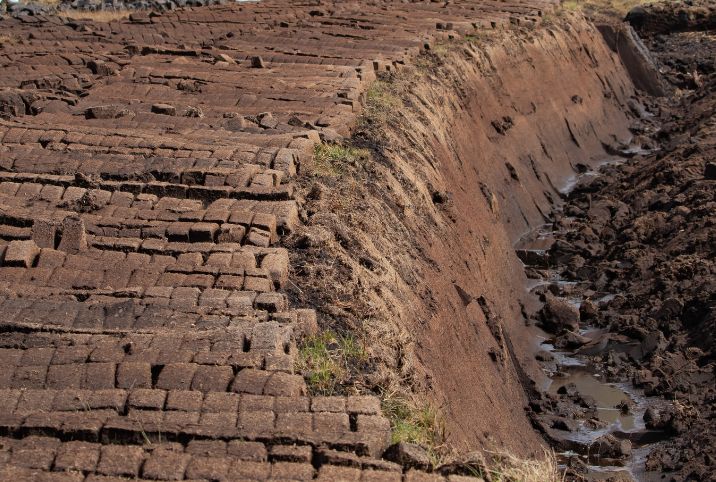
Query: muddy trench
[(601, 426)]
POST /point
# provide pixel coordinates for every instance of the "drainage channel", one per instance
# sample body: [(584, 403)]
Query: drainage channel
[(606, 410)]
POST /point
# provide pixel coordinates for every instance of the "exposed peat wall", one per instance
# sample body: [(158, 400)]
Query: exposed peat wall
[(472, 144)]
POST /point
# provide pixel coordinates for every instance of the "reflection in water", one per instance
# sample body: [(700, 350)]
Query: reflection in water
[(573, 367), (577, 178), (607, 396)]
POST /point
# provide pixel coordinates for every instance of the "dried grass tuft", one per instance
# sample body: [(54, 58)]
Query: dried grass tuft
[(103, 16), (613, 8), (6, 39), (507, 467)]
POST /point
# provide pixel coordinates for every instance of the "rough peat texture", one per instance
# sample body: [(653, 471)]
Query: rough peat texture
[(146, 184), (644, 232), (414, 248), (158, 207)]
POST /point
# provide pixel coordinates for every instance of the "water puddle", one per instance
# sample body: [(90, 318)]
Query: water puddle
[(584, 177), (608, 396), (619, 407), (616, 409)]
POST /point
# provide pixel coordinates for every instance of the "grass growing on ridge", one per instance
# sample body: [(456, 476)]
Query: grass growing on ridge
[(329, 159), (415, 423), (422, 424), (381, 103), (325, 360)]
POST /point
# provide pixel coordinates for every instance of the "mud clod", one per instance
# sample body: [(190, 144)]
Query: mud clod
[(558, 315)]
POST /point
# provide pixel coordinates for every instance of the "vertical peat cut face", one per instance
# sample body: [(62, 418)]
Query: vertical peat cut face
[(525, 114), (471, 146)]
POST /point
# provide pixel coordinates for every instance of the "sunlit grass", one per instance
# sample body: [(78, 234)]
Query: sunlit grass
[(381, 103), (325, 360), (330, 159), (416, 423), (96, 16), (507, 467)]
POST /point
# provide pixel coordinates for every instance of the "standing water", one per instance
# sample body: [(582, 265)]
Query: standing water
[(616, 408)]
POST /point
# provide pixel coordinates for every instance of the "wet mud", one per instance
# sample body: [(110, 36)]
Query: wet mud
[(626, 273)]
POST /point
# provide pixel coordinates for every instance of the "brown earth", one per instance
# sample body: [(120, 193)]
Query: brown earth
[(468, 160), (148, 183), (164, 218)]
